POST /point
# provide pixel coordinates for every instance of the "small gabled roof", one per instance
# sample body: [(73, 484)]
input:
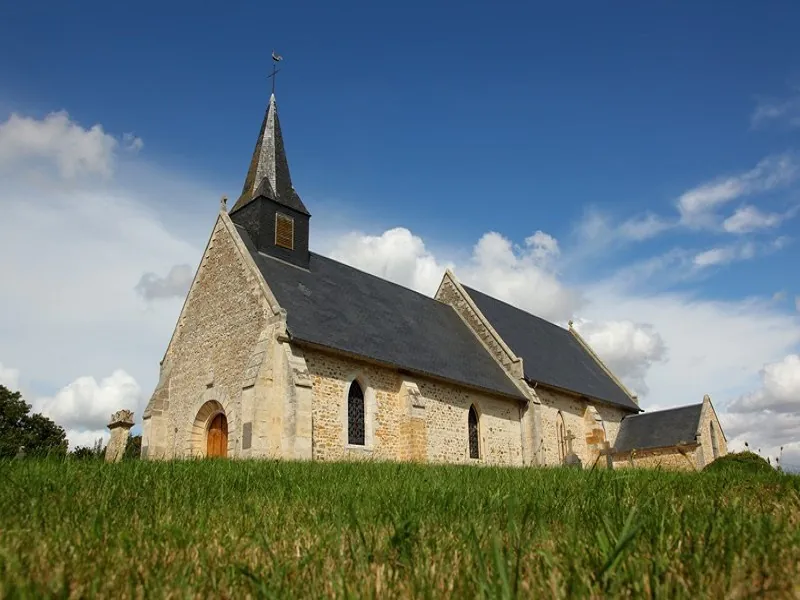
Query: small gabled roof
[(550, 354), (268, 174), (339, 307), (659, 429)]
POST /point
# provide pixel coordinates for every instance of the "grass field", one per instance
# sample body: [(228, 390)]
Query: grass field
[(265, 529)]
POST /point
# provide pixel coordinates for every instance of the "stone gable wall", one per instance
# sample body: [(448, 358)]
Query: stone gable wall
[(211, 353), (450, 294), (705, 453), (574, 411), (428, 427)]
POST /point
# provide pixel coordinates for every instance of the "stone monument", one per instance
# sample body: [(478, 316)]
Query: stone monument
[(120, 426)]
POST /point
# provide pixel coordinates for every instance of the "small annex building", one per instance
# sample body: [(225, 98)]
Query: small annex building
[(280, 352), (687, 437)]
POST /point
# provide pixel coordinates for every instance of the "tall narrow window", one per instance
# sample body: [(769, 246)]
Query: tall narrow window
[(284, 231), (714, 446), (355, 415), (561, 431), (474, 447)]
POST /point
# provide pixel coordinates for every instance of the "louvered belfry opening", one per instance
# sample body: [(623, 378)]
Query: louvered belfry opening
[(474, 446), (355, 415), (284, 231)]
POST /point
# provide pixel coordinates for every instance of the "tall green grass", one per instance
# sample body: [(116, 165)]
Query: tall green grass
[(223, 529)]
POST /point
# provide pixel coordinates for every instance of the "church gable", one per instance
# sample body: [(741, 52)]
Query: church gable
[(217, 348)]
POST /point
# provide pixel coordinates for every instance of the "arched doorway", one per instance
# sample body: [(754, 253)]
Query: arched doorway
[(217, 437)]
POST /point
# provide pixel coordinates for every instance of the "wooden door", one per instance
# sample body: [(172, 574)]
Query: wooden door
[(218, 437)]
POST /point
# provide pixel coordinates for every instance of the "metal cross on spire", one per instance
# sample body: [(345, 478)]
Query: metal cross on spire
[(276, 58)]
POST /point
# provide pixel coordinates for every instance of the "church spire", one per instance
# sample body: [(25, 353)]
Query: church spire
[(268, 175), (269, 210)]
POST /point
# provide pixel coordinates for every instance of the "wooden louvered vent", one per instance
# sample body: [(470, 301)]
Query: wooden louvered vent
[(284, 231)]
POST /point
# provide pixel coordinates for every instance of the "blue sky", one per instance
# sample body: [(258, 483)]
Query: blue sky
[(414, 131), (481, 116)]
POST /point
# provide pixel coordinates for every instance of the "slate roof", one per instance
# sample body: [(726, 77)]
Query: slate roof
[(268, 174), (339, 307), (550, 354), (659, 429)]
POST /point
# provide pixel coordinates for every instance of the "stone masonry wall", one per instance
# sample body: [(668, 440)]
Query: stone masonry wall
[(211, 352), (665, 458), (401, 426), (574, 410), (449, 294), (705, 453)]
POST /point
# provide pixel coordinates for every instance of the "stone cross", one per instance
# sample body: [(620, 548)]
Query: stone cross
[(120, 426)]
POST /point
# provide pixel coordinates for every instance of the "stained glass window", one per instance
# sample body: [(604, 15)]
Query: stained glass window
[(474, 450), (355, 415)]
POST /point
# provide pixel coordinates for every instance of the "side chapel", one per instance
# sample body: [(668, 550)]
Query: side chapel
[(280, 352)]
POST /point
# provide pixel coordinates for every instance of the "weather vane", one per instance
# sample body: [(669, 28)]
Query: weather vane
[(276, 58)]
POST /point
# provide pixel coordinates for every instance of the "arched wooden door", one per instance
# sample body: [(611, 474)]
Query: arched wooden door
[(218, 437)]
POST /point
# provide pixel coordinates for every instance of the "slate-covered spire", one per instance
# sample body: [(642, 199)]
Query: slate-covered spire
[(268, 175), (276, 221)]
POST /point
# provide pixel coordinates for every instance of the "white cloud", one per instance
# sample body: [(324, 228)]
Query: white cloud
[(86, 404), (9, 377), (715, 256), (87, 437), (396, 255), (697, 206), (644, 227), (629, 349), (132, 143), (749, 218), (748, 250), (779, 296), (520, 275), (779, 391), (75, 151), (75, 249), (175, 284)]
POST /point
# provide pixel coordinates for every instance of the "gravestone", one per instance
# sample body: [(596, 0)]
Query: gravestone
[(120, 426)]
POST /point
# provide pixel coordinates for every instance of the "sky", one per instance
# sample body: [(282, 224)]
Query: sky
[(632, 167)]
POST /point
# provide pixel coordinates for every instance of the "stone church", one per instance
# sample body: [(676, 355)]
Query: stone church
[(280, 352)]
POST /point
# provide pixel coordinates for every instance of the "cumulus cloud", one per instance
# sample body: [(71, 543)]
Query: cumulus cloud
[(629, 349), (9, 377), (396, 255), (174, 285), (24, 141), (698, 206), (86, 404), (522, 275), (75, 249), (779, 391)]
